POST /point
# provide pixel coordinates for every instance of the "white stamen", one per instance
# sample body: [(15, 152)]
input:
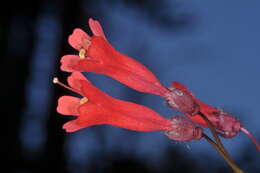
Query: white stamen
[(55, 80)]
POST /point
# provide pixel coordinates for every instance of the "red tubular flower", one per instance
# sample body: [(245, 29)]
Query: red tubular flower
[(226, 125), (97, 55), (96, 108)]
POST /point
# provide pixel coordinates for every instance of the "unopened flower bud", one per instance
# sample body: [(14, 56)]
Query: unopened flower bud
[(183, 130)]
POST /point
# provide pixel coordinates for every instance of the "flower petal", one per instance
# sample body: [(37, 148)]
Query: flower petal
[(74, 80), (68, 61), (72, 126), (96, 28), (78, 39), (68, 105)]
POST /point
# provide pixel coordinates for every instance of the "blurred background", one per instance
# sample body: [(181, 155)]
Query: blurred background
[(213, 47)]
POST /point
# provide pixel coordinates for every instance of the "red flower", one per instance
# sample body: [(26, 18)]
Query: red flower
[(97, 55), (96, 108)]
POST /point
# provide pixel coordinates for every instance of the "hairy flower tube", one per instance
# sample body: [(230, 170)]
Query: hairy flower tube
[(226, 125), (96, 108), (98, 56)]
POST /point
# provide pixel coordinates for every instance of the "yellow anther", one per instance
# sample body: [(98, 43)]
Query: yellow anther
[(83, 100), (82, 53), (55, 80)]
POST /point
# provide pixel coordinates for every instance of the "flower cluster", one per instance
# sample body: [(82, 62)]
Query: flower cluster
[(95, 107)]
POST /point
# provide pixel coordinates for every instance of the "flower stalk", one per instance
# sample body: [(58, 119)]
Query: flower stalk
[(213, 131), (230, 162)]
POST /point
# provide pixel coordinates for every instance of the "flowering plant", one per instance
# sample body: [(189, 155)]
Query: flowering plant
[(95, 107)]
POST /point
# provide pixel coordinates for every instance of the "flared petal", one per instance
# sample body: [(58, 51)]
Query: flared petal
[(79, 39), (68, 62), (74, 81), (72, 126), (68, 105), (96, 28)]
